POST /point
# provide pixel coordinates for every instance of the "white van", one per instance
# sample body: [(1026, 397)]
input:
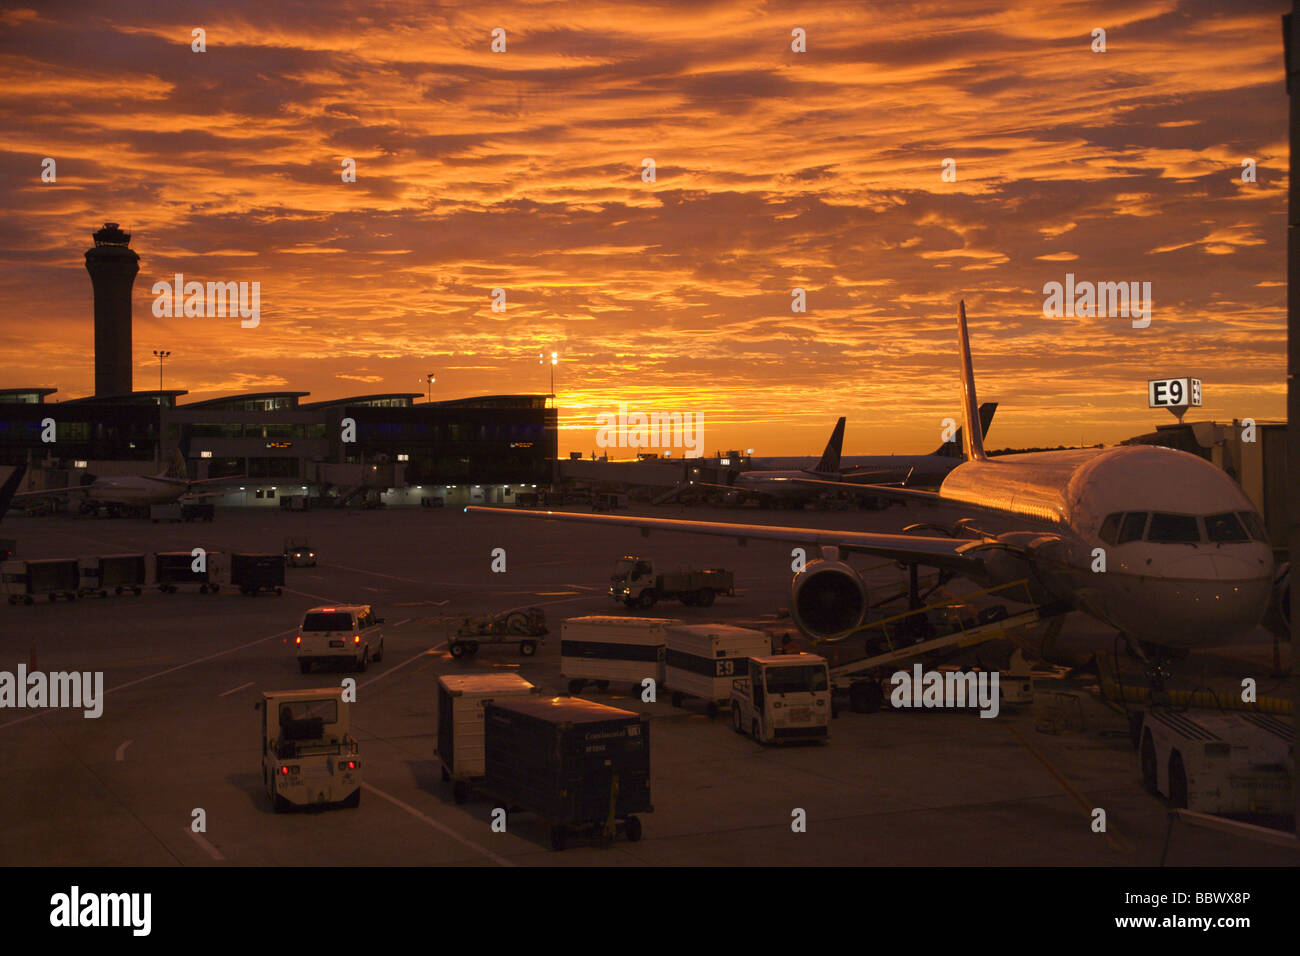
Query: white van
[(348, 634)]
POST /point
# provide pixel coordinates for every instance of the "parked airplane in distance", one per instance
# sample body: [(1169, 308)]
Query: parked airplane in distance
[(1157, 543), (136, 491)]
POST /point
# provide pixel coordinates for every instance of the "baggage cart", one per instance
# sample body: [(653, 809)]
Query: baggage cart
[(252, 573), (600, 648), (523, 626), (579, 765), (175, 568), (24, 581), (116, 572), (701, 660), (461, 699)]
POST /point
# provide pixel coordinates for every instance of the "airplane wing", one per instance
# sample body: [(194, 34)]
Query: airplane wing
[(933, 552), (205, 494), (879, 491), (47, 492)]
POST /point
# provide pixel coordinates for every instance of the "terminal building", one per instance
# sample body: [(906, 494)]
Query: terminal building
[(365, 449)]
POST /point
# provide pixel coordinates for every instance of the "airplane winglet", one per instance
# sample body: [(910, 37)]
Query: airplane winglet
[(972, 434)]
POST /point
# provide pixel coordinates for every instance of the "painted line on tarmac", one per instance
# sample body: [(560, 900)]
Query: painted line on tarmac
[(391, 577), (227, 693), (495, 858), (402, 621), (410, 660), (208, 848), (1115, 838), (140, 680), (121, 751), (314, 597)]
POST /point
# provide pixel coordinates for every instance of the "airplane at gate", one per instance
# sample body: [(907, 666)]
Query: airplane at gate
[(1186, 559)]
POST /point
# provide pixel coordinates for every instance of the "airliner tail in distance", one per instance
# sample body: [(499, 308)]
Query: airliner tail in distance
[(830, 461), (956, 447)]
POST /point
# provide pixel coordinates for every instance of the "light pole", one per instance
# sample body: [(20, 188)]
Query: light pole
[(429, 380), (555, 360), (161, 354)]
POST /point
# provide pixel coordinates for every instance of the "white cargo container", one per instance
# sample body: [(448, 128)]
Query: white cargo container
[(702, 660), (600, 648), (460, 723)]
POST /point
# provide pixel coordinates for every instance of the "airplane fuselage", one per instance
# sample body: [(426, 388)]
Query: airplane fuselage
[(136, 491), (1165, 576)]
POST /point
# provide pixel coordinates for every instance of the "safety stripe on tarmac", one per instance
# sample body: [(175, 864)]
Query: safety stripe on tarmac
[(448, 831)]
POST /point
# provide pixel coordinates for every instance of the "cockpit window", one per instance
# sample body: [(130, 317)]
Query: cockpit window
[(1134, 524), (1225, 527), (1173, 528), (1110, 528), (1254, 525)]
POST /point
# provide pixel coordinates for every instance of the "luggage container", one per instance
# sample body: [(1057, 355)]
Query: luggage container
[(24, 581), (117, 572), (599, 648), (701, 660), (257, 572), (577, 764), (461, 698), (174, 568)]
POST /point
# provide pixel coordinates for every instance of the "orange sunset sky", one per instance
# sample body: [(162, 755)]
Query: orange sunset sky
[(775, 170)]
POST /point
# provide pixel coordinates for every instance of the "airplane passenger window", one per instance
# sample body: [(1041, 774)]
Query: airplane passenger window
[(1225, 527), (1135, 523), (1253, 525), (1178, 529), (1110, 528)]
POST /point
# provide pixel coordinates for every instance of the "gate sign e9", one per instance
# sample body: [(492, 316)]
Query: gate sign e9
[(1174, 393)]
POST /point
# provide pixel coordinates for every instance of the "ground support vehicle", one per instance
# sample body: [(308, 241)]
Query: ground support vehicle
[(1218, 762), (345, 634), (782, 698), (635, 583), (461, 699), (298, 553), (113, 572), (525, 627), (308, 756), (579, 765), (252, 573), (174, 568), (53, 578), (701, 660), (598, 649)]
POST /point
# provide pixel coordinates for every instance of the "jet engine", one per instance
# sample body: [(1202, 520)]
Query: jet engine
[(828, 598)]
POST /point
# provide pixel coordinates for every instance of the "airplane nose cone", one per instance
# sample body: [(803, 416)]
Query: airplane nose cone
[(1191, 612)]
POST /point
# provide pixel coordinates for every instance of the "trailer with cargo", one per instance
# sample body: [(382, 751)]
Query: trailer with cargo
[(252, 573), (309, 758), (701, 660), (53, 578), (782, 698), (598, 649), (461, 700), (172, 569), (523, 626), (1219, 762), (116, 572), (636, 583), (579, 765)]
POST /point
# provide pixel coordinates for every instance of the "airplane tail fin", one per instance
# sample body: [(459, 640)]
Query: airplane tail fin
[(972, 436), (176, 466), (10, 488), (954, 448), (830, 463)]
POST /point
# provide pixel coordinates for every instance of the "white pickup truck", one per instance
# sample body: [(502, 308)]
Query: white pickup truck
[(343, 635)]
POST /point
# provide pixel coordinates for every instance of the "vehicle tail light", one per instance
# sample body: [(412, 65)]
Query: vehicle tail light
[(356, 638), (298, 639), (284, 771), (348, 765)]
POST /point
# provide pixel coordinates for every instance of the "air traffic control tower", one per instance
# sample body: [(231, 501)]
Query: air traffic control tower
[(112, 267)]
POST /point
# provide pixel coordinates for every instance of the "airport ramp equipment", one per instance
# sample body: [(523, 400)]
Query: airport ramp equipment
[(118, 573), (598, 649), (523, 626), (24, 581), (253, 573), (175, 568), (577, 764), (461, 700), (931, 633), (701, 660)]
